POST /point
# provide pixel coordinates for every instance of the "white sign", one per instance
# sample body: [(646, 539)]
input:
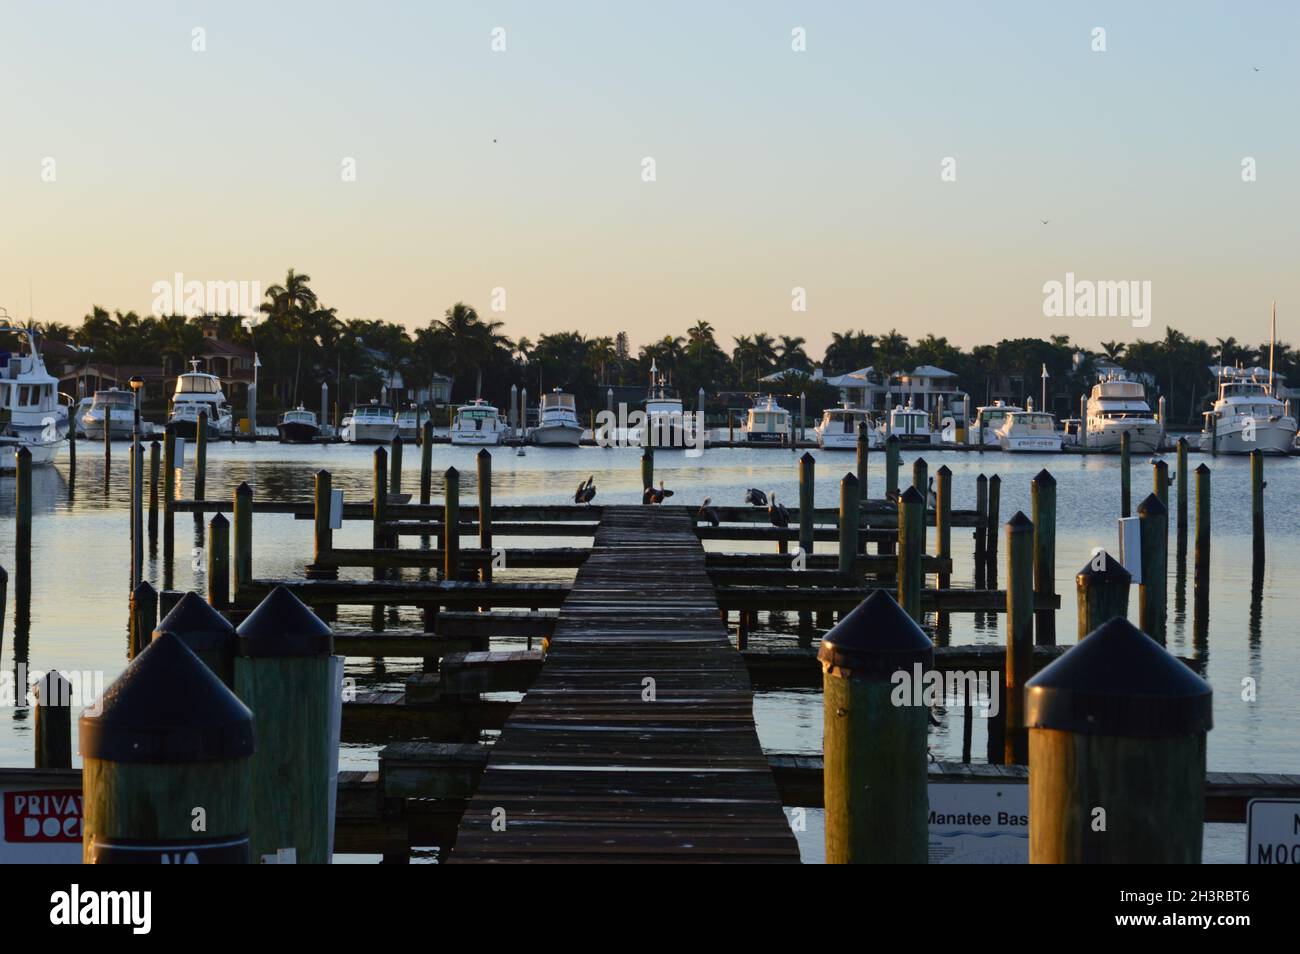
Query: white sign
[(179, 455), (1130, 546), (42, 818), (336, 509), (979, 823), (1273, 831)]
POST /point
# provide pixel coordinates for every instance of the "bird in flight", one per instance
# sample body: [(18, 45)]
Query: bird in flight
[(1044, 221)]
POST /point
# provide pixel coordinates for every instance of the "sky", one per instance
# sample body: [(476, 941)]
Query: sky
[(775, 169)]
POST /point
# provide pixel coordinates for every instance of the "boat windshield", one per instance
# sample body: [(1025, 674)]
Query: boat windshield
[(197, 384), (114, 399), (558, 400)]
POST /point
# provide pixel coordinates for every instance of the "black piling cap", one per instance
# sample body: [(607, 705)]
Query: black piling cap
[(874, 641), (1152, 506), (198, 625), (807, 458), (1020, 523), (1103, 568), (1044, 476), (1119, 682), (167, 707), (944, 471), (282, 626), (909, 496), (1203, 469)]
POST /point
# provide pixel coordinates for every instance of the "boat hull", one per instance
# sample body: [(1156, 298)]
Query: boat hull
[(477, 438), (847, 441), (43, 454), (1271, 437), (764, 437), (296, 432), (557, 435), (1145, 437), (367, 433), (120, 426), (1031, 445)]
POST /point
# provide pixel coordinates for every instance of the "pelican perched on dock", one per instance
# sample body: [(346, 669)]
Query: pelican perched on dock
[(586, 490), (653, 496), (756, 497), (777, 515), (708, 513)]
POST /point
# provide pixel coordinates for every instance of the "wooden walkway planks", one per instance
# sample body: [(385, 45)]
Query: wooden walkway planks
[(587, 768)]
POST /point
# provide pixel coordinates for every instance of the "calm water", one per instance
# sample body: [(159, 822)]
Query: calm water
[(78, 612)]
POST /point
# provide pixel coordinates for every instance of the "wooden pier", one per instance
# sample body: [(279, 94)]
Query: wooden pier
[(637, 740)]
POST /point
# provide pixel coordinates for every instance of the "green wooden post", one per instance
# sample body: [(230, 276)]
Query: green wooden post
[(451, 524), (864, 449), (323, 533), (243, 542), (395, 467), (108, 448), (807, 516), (911, 546), (23, 512), (205, 632), (981, 529), (1102, 586), (849, 511), (1160, 480), (1043, 492), (993, 522), (154, 465), (892, 463), (943, 519), (201, 456), (1152, 594), (379, 532), (484, 460), (647, 465), (1257, 486), (1020, 634), (144, 615), (874, 750), (169, 490), (921, 475), (72, 445), (1184, 478), (1125, 475), (168, 739), (1117, 724), (426, 463), (284, 673), (219, 561), (53, 722), (1201, 559)]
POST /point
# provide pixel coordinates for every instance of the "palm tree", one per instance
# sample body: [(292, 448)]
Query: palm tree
[(793, 355), (1113, 349), (289, 306), (469, 341)]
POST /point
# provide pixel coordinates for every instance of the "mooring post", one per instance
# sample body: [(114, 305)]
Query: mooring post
[(1257, 486), (1020, 634), (911, 546), (1117, 754), (874, 752), (1201, 559), (807, 515), (201, 457), (1160, 480), (167, 600), (23, 513), (4, 597), (981, 529), (284, 673), (323, 532), (379, 514), (892, 463), (243, 542), (1184, 478), (169, 489), (451, 524), (921, 475), (864, 449), (137, 512), (1083, 420), (1043, 508), (53, 722), (144, 616), (647, 464), (108, 447), (72, 444), (484, 461), (219, 561), (991, 544), (849, 510), (426, 463), (1102, 586), (1125, 475), (1153, 520), (943, 519), (395, 467), (205, 632), (153, 492), (167, 739)]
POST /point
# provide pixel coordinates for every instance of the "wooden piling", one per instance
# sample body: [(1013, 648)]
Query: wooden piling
[(201, 456), (137, 512), (426, 463), (219, 561), (849, 511), (864, 449), (53, 722), (911, 547), (1125, 474), (144, 616), (154, 465), (981, 528), (1160, 480), (323, 533), (943, 519), (1117, 754), (647, 462), (72, 445), (1184, 477), (108, 447), (23, 511), (395, 467), (1043, 493), (484, 461), (379, 533), (205, 632), (284, 673), (807, 477), (1257, 508), (1102, 587), (169, 488), (243, 542), (451, 519), (892, 463), (167, 740), (991, 545), (1153, 592), (874, 776), (1020, 634), (921, 476), (1201, 558)]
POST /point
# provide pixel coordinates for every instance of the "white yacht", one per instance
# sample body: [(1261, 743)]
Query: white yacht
[(1029, 431), (408, 425), (665, 421), (912, 426), (1117, 405), (298, 426), (79, 412), (478, 423), (1247, 416), (117, 407), (372, 423), (557, 423), (839, 428), (30, 415), (766, 423), (988, 419), (198, 392)]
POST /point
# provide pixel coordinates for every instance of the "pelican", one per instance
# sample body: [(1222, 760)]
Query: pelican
[(756, 497), (653, 496), (930, 499), (777, 515), (707, 513), (586, 490)]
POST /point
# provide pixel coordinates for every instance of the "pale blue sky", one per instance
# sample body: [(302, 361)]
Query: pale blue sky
[(775, 169)]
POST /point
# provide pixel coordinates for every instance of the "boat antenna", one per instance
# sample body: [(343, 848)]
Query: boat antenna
[(1272, 341)]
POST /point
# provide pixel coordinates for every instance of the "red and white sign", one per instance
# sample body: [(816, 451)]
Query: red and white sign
[(41, 825)]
